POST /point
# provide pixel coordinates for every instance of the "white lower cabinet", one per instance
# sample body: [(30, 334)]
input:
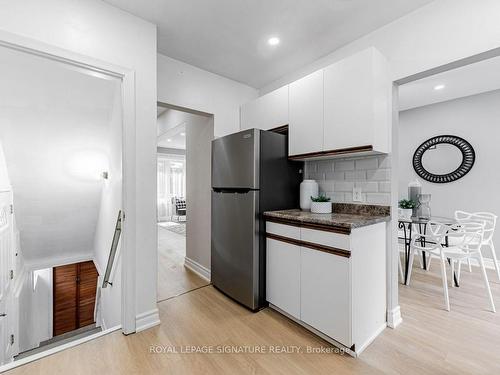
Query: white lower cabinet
[(283, 276), (334, 283), (325, 293)]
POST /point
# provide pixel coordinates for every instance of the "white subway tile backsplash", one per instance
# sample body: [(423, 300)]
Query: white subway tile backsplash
[(337, 177), (367, 163), (345, 186), (343, 165), (324, 166), (378, 198), (311, 166), (325, 186), (315, 176), (336, 197), (384, 186), (355, 175), (379, 175), (367, 186)]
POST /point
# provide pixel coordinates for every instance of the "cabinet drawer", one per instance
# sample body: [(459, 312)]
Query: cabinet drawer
[(339, 241), (283, 276), (283, 230)]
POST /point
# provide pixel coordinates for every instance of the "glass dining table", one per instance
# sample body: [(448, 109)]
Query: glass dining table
[(407, 225)]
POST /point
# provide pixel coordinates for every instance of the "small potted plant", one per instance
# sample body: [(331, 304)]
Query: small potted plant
[(321, 204), (406, 207)]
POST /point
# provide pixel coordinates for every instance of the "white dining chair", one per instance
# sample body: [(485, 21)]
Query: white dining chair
[(468, 236), (490, 221)]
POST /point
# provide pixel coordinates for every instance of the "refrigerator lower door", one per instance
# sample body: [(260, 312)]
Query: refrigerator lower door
[(235, 246)]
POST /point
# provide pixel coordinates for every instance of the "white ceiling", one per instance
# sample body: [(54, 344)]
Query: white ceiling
[(469, 80), (229, 37), (54, 127)]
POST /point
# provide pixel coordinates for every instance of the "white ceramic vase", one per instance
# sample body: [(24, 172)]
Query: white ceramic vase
[(321, 207), (308, 189), (405, 213)]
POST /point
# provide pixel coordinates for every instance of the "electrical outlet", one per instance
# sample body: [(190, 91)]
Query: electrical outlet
[(356, 195)]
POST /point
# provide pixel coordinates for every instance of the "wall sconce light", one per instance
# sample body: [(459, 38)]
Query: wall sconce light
[(104, 175)]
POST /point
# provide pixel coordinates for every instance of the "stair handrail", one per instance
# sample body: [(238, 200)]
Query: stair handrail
[(112, 253)]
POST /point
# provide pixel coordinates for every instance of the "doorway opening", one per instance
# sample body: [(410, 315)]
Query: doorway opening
[(60, 193), (183, 199), (446, 120)]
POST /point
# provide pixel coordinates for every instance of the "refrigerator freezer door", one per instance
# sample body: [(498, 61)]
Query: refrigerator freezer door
[(235, 160), (235, 246)]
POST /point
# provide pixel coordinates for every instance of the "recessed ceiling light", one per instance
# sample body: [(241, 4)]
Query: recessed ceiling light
[(274, 41), (169, 140), (183, 134), (439, 87)]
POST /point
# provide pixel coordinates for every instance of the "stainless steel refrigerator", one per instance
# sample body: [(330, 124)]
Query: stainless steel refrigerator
[(250, 174)]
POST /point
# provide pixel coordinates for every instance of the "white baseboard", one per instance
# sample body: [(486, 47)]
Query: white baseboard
[(197, 268), (147, 320), (394, 317), (371, 339)]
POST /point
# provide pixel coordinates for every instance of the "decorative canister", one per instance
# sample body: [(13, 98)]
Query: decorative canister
[(308, 189), (414, 190)]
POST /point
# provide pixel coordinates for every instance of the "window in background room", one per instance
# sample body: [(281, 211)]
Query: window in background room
[(171, 184)]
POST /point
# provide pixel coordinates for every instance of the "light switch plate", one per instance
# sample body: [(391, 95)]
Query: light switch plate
[(356, 195)]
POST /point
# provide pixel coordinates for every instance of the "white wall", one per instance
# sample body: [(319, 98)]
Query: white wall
[(42, 311), (441, 32), (100, 31), (186, 86), (4, 173), (474, 118), (25, 319), (110, 205), (53, 122), (199, 135), (35, 298)]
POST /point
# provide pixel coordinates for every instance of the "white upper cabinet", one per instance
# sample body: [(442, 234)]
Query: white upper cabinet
[(306, 114), (344, 108), (357, 102), (266, 112)]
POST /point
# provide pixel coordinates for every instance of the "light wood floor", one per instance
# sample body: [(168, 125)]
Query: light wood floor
[(173, 278), (429, 341)]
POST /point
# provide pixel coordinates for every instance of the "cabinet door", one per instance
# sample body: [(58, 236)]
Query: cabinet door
[(283, 276), (357, 102), (306, 115), (325, 294), (267, 112)]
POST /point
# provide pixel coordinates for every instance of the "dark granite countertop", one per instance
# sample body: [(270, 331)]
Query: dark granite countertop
[(344, 216)]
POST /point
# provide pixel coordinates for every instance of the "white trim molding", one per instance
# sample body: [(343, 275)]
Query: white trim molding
[(371, 339), (394, 318), (147, 320), (104, 69), (197, 268), (57, 349), (58, 261)]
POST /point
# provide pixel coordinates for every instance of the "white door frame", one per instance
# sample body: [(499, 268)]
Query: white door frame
[(127, 77), (394, 313)]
